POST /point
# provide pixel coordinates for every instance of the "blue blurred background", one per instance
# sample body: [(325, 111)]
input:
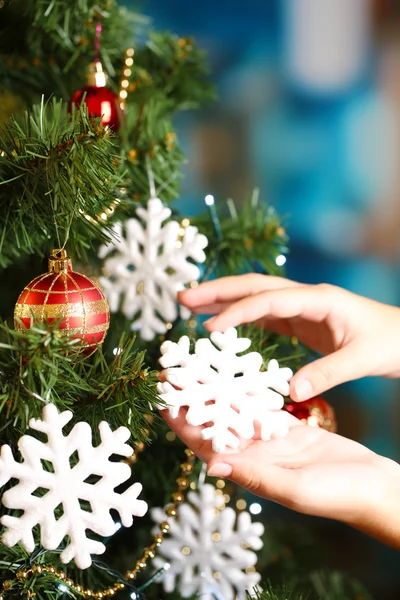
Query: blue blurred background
[(308, 110)]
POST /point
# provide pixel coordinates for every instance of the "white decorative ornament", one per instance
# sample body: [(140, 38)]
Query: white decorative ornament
[(148, 265), (67, 486), (207, 556), (224, 389)]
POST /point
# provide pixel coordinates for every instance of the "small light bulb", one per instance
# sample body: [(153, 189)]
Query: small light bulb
[(63, 588), (280, 260), (255, 508), (209, 199), (166, 567)]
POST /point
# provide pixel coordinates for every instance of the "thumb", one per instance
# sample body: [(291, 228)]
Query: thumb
[(260, 478), (346, 364)]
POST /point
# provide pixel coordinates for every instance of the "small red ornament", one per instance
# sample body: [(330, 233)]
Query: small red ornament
[(100, 100), (315, 412), (66, 296)]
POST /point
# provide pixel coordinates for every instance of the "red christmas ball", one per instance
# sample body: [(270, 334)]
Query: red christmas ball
[(315, 412), (64, 296), (100, 100)]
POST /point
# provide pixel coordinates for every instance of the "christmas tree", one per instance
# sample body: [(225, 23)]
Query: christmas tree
[(92, 254)]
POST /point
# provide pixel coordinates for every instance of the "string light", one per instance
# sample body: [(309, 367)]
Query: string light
[(255, 508), (210, 202), (280, 260)]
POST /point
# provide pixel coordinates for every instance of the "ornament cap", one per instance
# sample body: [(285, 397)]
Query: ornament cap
[(59, 262), (95, 75)]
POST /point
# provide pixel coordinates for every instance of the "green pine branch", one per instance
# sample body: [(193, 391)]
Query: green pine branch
[(45, 45), (245, 240), (54, 170), (41, 365), (286, 350), (316, 585), (168, 75), (284, 592)]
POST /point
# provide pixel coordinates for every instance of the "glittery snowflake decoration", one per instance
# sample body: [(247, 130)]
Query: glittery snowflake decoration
[(224, 389), (206, 554), (148, 264), (60, 484)]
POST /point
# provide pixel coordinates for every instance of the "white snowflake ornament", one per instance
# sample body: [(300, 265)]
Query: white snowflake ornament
[(67, 486), (148, 265), (207, 555), (224, 389)]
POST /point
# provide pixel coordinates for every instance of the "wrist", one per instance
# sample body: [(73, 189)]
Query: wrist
[(379, 514)]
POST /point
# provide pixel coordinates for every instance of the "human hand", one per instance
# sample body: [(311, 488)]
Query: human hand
[(357, 336), (311, 471)]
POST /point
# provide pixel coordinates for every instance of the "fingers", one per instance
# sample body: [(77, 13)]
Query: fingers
[(189, 434), (260, 478), (301, 301), (341, 366), (229, 289)]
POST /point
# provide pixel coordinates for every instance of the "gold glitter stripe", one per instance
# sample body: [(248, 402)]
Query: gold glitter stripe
[(62, 292), (57, 311), (93, 329)]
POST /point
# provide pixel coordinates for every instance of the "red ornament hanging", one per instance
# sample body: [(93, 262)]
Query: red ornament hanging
[(100, 100), (64, 296), (315, 412)]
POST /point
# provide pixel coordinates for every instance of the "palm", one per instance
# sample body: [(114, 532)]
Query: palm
[(310, 470), (322, 470)]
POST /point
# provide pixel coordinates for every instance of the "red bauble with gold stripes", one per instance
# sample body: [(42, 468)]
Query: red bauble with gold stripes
[(67, 297), (315, 412)]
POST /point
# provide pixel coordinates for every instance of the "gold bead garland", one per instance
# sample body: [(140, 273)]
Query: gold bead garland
[(149, 552), (177, 498), (124, 84)]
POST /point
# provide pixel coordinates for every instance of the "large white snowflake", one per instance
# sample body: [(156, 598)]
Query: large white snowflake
[(66, 486), (148, 265), (205, 553), (224, 389)]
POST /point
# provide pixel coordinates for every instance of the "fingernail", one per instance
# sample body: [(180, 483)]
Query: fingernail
[(303, 389), (220, 470)]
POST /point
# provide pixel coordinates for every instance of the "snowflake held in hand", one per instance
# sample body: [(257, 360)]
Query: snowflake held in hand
[(224, 389), (207, 555), (67, 486), (149, 266)]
